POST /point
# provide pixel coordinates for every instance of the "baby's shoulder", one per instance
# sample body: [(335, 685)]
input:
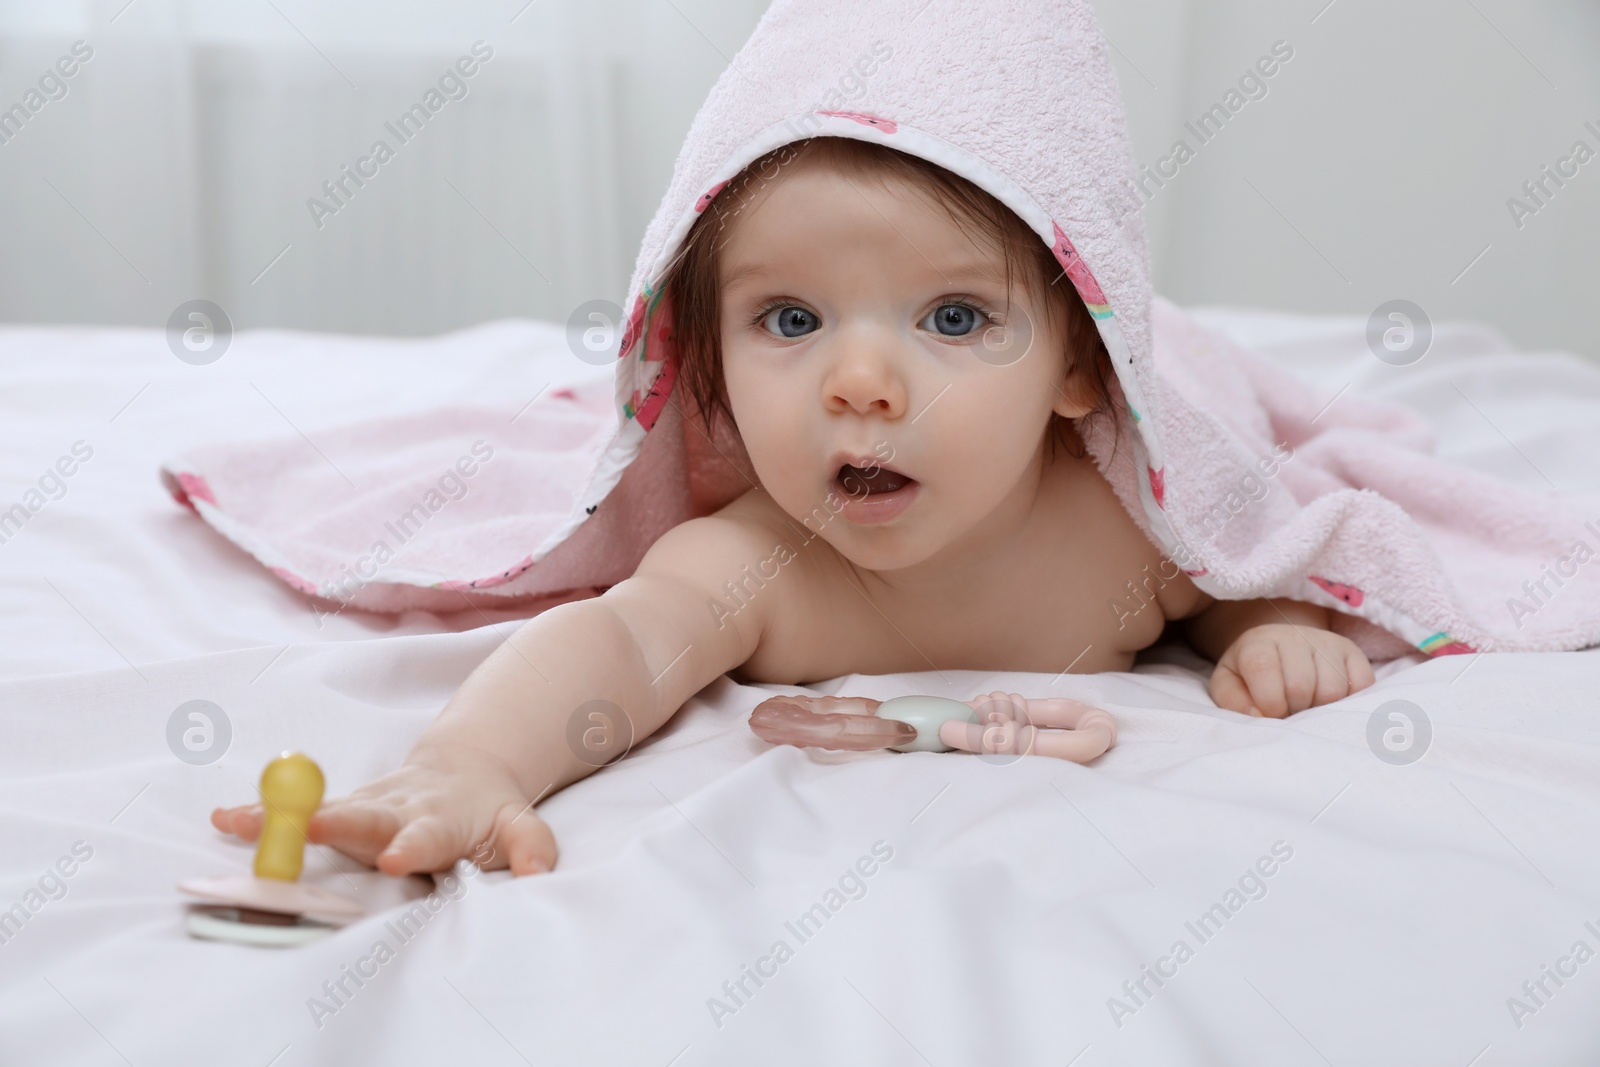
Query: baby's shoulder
[(744, 580), (1125, 557), (746, 530), (748, 522)]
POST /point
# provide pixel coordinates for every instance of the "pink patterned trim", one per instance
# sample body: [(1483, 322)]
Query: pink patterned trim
[(1347, 593), (192, 485), (1082, 278), (294, 581), (709, 195), (489, 582), (634, 329), (875, 121), (649, 407)]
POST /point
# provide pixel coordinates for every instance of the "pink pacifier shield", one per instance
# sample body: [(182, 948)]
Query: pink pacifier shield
[(267, 894)]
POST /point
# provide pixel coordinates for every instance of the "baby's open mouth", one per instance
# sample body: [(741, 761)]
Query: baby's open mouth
[(871, 481)]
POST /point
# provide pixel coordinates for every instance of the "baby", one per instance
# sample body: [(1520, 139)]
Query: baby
[(912, 383)]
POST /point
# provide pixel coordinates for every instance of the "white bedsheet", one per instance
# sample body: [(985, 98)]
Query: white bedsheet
[(1017, 901)]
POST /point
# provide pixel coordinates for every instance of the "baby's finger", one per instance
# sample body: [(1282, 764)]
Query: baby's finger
[(1262, 671), (524, 840), (423, 845), (1229, 691), (357, 829), (243, 820), (1333, 677), (1358, 669), (1299, 659)]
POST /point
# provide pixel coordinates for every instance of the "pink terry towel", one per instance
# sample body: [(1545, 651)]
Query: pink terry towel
[(1018, 96)]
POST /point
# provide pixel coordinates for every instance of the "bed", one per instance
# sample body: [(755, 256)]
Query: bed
[(1215, 890)]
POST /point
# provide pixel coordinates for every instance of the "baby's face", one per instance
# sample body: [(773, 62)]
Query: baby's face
[(861, 325)]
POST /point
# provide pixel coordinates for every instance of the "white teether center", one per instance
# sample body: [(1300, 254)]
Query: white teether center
[(927, 714)]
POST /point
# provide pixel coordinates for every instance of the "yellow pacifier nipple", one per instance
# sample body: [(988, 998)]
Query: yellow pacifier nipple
[(291, 791)]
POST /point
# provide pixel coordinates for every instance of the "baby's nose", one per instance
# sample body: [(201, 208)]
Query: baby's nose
[(865, 381)]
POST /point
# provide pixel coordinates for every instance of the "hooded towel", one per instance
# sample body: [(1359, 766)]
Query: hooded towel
[(1410, 551)]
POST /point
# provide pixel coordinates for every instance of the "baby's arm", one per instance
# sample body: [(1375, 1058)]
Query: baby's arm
[(1276, 657), (468, 786)]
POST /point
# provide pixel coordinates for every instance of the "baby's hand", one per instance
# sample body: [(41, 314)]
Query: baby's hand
[(1277, 669), (440, 806)]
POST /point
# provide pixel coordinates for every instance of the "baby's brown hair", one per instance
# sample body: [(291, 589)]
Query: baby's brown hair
[(692, 282)]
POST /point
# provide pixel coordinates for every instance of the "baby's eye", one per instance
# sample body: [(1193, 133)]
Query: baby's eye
[(792, 320), (957, 320)]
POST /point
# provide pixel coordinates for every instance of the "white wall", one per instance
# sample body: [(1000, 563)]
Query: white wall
[(180, 162), (1377, 166)]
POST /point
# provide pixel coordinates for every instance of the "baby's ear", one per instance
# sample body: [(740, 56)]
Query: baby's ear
[(1074, 398)]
